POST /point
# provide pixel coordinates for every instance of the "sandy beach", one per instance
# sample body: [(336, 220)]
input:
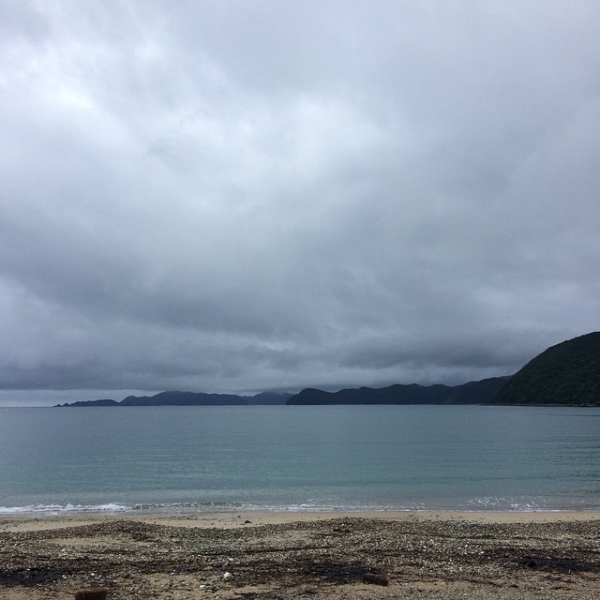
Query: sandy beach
[(420, 555)]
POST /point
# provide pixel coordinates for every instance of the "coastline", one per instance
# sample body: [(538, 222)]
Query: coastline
[(233, 519), (293, 554)]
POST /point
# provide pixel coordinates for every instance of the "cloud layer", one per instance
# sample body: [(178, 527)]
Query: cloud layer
[(238, 196)]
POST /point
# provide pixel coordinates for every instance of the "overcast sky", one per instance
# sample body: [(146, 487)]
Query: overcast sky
[(237, 196)]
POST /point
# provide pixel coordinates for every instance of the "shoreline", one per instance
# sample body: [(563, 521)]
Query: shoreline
[(242, 518)]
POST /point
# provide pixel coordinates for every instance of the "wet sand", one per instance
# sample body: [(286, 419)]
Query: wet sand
[(433, 555)]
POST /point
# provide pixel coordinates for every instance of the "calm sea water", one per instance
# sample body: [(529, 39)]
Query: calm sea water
[(299, 458)]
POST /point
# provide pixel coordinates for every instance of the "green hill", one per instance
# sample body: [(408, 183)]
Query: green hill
[(568, 373)]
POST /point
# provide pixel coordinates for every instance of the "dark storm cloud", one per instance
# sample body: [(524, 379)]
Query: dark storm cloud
[(226, 196)]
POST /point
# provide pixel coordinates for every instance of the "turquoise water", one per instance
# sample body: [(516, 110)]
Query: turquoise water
[(299, 458)]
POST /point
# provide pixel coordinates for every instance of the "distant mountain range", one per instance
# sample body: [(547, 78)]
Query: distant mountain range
[(565, 374), (474, 392), (189, 399)]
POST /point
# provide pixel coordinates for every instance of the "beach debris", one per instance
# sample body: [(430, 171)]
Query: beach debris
[(301, 560), (91, 594), (375, 579)]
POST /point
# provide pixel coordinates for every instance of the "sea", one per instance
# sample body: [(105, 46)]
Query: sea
[(194, 459)]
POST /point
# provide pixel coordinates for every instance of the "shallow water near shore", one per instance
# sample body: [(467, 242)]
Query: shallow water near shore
[(298, 458)]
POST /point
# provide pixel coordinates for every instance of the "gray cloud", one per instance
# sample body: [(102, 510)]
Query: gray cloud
[(233, 196)]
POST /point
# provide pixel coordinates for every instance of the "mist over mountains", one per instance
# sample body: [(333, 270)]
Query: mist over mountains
[(565, 374)]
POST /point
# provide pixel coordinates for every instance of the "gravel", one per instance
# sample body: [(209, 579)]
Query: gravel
[(337, 558)]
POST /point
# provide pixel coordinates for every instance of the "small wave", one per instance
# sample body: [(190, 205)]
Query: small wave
[(510, 504), (117, 507), (55, 509), (482, 504)]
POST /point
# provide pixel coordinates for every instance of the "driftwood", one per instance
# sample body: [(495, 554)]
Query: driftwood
[(374, 578), (91, 594)]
